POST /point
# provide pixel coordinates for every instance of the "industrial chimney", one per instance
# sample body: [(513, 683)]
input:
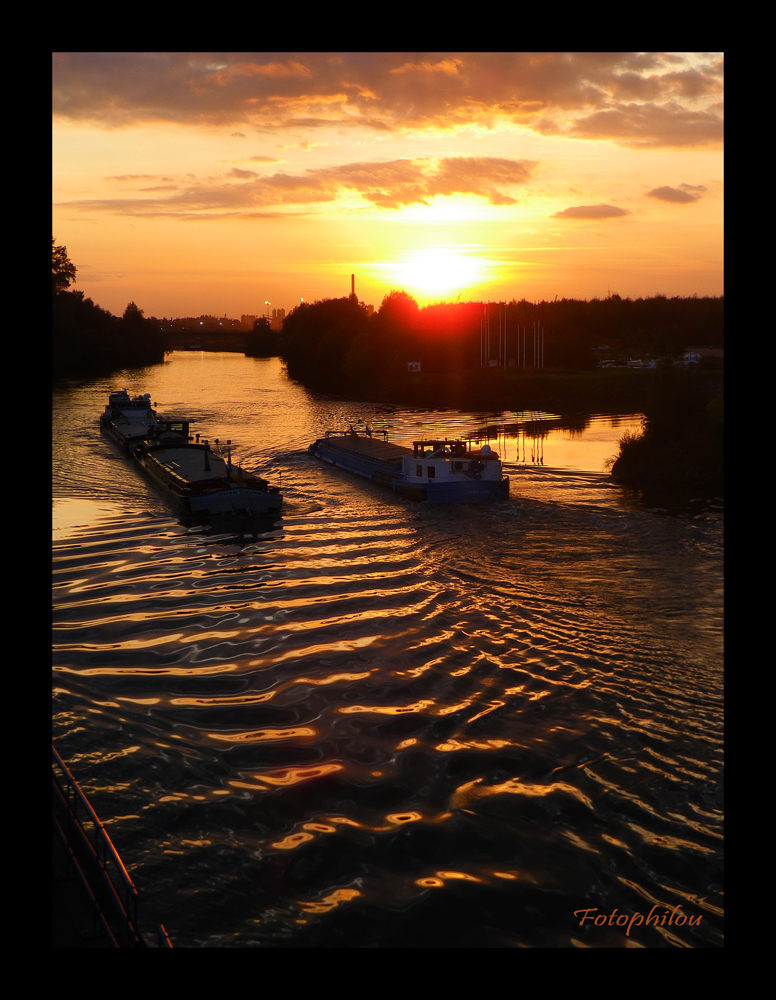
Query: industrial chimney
[(352, 284)]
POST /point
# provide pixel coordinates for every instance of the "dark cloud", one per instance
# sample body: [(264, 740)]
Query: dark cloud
[(650, 126), (682, 195), (641, 99), (591, 212), (242, 175)]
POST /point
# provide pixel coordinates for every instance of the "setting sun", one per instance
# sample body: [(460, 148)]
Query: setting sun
[(436, 271)]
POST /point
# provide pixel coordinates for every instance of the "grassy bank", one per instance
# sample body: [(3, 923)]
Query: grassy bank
[(681, 448), (599, 391)]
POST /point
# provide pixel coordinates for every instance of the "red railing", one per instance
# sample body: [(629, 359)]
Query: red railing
[(97, 863)]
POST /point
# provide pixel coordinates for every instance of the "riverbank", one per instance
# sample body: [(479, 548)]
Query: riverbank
[(616, 390), (681, 449), (686, 460)]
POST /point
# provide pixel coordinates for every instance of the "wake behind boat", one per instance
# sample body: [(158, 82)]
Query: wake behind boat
[(448, 471)]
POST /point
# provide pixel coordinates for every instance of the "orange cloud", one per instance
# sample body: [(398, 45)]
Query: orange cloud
[(388, 184)]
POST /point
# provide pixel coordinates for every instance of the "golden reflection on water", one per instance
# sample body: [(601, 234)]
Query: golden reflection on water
[(332, 678), (392, 821), (438, 879), (292, 841), (70, 513), (194, 671), (225, 700), (453, 745), (287, 776), (295, 775), (263, 735), (323, 650), (406, 817), (540, 442), (329, 902), (419, 706)]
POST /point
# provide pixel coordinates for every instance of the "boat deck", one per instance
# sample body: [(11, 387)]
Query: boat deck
[(189, 463), (383, 451), (134, 426)]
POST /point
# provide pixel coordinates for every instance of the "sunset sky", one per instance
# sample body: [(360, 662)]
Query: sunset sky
[(229, 183)]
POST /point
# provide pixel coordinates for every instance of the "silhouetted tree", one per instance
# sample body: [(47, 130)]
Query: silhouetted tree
[(133, 317), (316, 339), (62, 269), (87, 339)]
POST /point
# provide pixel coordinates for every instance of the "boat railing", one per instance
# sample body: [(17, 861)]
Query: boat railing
[(455, 448), (96, 862), (359, 432)]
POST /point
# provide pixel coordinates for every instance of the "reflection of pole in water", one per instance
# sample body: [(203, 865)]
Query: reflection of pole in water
[(529, 437), (537, 442)]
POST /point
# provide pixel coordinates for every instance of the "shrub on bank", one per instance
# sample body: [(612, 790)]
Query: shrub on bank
[(681, 445)]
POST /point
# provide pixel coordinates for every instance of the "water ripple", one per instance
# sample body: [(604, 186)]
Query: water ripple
[(378, 722)]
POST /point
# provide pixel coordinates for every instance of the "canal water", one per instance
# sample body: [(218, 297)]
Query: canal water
[(383, 723)]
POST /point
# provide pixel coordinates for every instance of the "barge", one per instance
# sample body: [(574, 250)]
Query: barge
[(446, 471), (203, 480)]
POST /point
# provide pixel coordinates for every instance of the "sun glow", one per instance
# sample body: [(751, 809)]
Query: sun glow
[(436, 271)]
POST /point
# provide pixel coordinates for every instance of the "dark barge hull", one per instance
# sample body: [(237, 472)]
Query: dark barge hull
[(208, 498)]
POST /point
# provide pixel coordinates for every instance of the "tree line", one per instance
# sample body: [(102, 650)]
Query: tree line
[(337, 342), (88, 340), (341, 345)]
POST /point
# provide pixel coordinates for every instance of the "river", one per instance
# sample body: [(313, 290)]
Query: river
[(383, 723)]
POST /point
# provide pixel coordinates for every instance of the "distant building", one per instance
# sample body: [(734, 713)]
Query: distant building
[(712, 356)]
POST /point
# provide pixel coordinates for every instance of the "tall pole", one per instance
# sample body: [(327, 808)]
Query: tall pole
[(500, 336), (488, 337)]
